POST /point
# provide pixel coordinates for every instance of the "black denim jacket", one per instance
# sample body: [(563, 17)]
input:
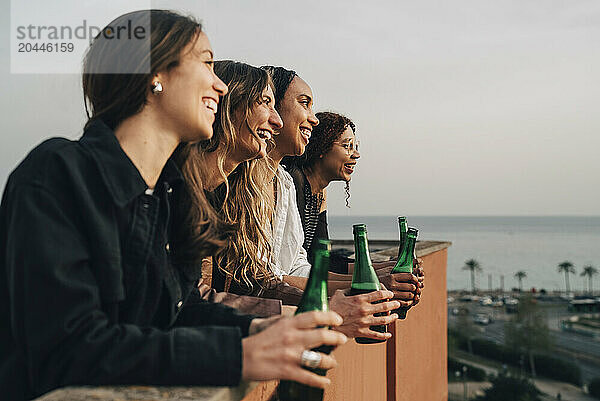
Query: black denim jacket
[(87, 291)]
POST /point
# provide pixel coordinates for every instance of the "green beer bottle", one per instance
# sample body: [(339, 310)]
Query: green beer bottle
[(314, 298), (403, 226), (364, 279), (405, 264)]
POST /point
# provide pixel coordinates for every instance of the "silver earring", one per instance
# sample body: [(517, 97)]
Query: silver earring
[(156, 87)]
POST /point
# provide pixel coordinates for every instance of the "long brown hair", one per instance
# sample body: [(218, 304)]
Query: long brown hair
[(113, 97), (246, 202)]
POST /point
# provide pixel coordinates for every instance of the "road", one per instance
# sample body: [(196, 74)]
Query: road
[(585, 351)]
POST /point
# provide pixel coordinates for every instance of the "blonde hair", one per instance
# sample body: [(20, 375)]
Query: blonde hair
[(248, 199)]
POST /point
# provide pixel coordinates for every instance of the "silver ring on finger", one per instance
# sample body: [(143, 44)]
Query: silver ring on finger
[(310, 359)]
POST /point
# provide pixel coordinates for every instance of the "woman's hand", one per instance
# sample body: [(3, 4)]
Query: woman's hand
[(259, 324), (275, 353), (405, 286), (358, 310), (420, 273)]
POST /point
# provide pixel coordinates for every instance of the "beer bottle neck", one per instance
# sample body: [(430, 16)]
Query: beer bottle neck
[(364, 277), (402, 248), (405, 264), (315, 293)]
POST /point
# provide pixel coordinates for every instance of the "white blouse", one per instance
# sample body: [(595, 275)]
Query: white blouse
[(288, 257)]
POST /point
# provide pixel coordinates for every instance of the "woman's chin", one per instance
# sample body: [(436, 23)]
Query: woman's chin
[(262, 152), (343, 177), (197, 135)]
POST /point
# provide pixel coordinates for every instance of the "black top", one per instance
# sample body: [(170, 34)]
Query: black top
[(87, 291), (314, 222)]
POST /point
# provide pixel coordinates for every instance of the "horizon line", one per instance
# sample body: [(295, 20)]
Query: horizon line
[(468, 215)]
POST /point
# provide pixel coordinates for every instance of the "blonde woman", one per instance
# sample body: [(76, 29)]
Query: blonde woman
[(243, 129), (252, 193)]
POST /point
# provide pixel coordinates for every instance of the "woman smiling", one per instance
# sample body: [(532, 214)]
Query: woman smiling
[(332, 155), (229, 166)]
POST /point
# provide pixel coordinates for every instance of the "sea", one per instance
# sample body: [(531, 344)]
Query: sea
[(502, 245)]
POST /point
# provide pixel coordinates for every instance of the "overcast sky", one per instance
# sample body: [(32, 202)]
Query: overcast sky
[(462, 107)]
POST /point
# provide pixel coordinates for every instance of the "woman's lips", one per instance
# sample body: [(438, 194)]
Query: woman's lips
[(210, 104), (263, 134), (305, 134)]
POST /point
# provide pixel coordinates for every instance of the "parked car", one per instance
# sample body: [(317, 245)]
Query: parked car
[(511, 305), (485, 301), (482, 318), (460, 311)]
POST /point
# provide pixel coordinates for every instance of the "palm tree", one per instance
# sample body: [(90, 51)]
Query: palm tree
[(566, 267), (473, 266), (589, 271), (520, 275)]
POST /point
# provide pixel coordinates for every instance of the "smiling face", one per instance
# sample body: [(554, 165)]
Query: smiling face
[(338, 164), (258, 128), (191, 92), (298, 119)]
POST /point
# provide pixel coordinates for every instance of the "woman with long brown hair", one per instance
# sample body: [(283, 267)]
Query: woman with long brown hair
[(93, 290), (228, 166)]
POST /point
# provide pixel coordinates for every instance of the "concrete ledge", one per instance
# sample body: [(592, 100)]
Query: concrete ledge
[(383, 250), (149, 393)]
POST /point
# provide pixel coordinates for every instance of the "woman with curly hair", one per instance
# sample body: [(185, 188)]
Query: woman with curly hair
[(331, 155)]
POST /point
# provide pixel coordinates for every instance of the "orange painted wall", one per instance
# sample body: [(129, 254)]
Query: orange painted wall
[(360, 375), (419, 352), (421, 340), (412, 366)]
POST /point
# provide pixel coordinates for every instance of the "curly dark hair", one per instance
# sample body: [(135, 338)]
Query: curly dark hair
[(331, 127)]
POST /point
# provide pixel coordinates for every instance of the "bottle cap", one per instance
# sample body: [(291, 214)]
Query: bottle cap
[(401, 219), (413, 232), (359, 228)]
